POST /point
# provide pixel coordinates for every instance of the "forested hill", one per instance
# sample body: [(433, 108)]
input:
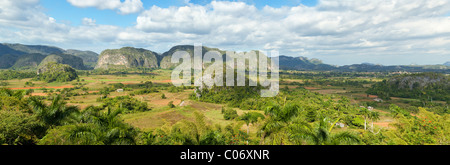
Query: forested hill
[(303, 63), (19, 56), (420, 86)]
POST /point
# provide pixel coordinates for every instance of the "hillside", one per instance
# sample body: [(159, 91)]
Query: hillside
[(127, 57), (20, 56), (90, 58), (165, 62), (29, 49), (7, 60), (420, 86), (73, 61), (5, 49), (53, 71), (28, 61), (302, 63)]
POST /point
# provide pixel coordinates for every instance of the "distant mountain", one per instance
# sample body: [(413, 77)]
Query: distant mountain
[(367, 63), (7, 60), (302, 63), (28, 61), (6, 50), (90, 58), (393, 68), (165, 61), (19, 56), (127, 57), (29, 49)]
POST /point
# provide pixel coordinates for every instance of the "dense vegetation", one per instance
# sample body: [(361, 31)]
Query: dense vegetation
[(296, 116), (424, 86), (11, 74), (56, 72)]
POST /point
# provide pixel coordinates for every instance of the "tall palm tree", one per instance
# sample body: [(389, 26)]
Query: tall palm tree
[(251, 118), (374, 116), (55, 114), (365, 113), (279, 117), (301, 131)]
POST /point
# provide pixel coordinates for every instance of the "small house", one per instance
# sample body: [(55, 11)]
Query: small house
[(119, 90), (340, 125)]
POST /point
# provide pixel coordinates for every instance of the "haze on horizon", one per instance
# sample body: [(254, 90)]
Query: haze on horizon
[(397, 32)]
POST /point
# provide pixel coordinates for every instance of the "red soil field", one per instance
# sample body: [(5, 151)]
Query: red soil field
[(59, 87)]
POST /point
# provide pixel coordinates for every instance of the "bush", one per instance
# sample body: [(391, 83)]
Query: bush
[(127, 103), (171, 104), (229, 114), (4, 83)]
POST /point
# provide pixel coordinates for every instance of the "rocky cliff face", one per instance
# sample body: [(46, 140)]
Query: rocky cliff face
[(166, 63), (127, 57)]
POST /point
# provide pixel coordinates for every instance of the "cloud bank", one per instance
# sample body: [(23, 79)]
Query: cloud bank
[(338, 32), (126, 7)]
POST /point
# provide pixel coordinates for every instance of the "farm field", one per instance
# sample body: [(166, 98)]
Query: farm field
[(167, 107)]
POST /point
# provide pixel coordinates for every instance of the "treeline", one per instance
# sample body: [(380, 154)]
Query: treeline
[(13, 74), (117, 71), (337, 82)]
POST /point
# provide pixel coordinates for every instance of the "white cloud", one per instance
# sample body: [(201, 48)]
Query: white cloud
[(338, 32), (126, 7), (88, 21)]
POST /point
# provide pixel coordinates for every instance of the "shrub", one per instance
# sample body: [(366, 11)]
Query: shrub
[(229, 114), (171, 104)]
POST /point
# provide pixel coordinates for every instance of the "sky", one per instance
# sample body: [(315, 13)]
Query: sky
[(338, 32)]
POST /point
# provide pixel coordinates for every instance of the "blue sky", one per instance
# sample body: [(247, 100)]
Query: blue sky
[(64, 11), (395, 32)]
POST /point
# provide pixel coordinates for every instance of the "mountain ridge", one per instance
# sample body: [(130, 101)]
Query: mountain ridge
[(138, 57), (20, 56)]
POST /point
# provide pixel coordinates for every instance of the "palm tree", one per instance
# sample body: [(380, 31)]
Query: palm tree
[(251, 118), (11, 93), (55, 114), (279, 117), (365, 113), (301, 131), (374, 116), (101, 128)]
